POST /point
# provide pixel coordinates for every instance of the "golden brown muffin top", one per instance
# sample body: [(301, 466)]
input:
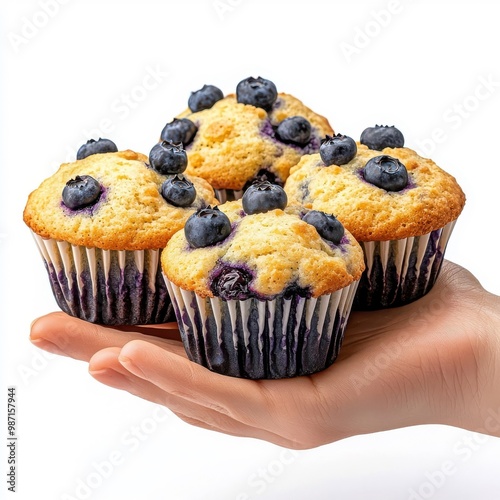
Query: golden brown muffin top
[(131, 213), (277, 249), (432, 199), (235, 141)]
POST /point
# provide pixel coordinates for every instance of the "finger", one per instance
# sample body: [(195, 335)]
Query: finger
[(284, 410), (65, 335), (105, 367), (192, 382), (234, 428), (168, 331)]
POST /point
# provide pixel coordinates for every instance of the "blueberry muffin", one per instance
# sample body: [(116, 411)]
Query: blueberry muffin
[(261, 289), (399, 206), (100, 223), (256, 133)]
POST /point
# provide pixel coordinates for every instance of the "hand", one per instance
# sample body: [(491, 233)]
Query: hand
[(435, 361)]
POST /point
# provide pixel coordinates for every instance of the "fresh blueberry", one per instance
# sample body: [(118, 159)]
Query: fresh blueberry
[(179, 130), (232, 283), (295, 129), (382, 136), (262, 197), (81, 192), (386, 172), (258, 92), (327, 225), (92, 147), (178, 191), (204, 98), (207, 227), (337, 150), (168, 158)]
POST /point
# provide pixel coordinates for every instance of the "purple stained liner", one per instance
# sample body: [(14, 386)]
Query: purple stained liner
[(401, 271), (263, 339), (107, 287), (224, 195)]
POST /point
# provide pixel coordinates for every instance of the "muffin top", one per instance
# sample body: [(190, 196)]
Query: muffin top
[(111, 201), (262, 255), (415, 195), (233, 142)]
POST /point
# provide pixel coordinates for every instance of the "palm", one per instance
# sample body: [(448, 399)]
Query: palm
[(397, 367)]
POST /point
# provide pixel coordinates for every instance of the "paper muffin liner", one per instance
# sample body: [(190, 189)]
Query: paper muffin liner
[(401, 271), (112, 287), (224, 195), (262, 339)]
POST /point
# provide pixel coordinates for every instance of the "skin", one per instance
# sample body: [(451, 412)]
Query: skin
[(435, 361)]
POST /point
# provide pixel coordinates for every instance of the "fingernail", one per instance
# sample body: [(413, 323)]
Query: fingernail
[(111, 377), (48, 346), (102, 371), (127, 363)]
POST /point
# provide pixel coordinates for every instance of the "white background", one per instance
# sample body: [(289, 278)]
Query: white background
[(75, 69)]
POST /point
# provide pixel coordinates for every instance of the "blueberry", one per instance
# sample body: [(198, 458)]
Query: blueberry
[(327, 225), (92, 147), (232, 283), (204, 98), (81, 192), (258, 92), (207, 227), (178, 191), (262, 197), (382, 136), (168, 158), (295, 129), (179, 130), (337, 150), (386, 172)]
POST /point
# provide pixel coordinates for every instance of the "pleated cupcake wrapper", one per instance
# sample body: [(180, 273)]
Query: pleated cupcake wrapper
[(260, 339), (114, 287), (224, 195), (401, 271)]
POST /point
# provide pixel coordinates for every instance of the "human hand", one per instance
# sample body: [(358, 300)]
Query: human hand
[(435, 361)]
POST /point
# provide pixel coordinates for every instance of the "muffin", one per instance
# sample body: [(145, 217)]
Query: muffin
[(100, 223), (256, 133), (399, 206), (262, 290)]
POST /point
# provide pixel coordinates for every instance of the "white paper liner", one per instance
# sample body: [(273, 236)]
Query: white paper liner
[(262, 338), (224, 195), (106, 286), (401, 271)]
